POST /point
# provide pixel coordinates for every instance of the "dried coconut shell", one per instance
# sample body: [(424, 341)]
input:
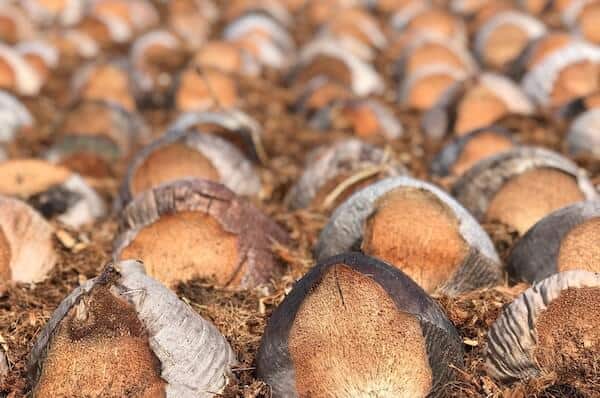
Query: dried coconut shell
[(218, 235), (170, 350), (378, 321)]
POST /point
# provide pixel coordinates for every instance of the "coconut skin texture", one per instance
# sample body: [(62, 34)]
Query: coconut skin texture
[(513, 338), (254, 233), (233, 169), (346, 229), (345, 157), (537, 255), (194, 358), (275, 361), (477, 187), (27, 245)]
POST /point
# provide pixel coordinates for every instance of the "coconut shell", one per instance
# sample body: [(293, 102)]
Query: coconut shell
[(465, 150), (188, 356), (344, 158), (478, 267), (280, 360), (563, 240), (233, 169), (251, 232), (54, 191), (27, 243), (427, 86), (514, 341), (234, 125), (478, 186), (583, 137)]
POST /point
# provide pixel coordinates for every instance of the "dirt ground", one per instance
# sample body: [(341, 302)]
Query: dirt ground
[(241, 316)]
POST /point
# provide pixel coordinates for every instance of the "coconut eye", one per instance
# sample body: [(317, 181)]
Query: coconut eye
[(54, 191), (94, 135), (521, 186), (169, 348), (333, 173), (564, 240), (460, 154), (204, 230), (551, 327), (501, 39), (379, 328), (179, 154), (26, 243), (419, 229)]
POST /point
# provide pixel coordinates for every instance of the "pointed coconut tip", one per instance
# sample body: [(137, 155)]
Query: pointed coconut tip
[(334, 172), (180, 154), (463, 152), (53, 190), (215, 235), (444, 250), (160, 347), (378, 320), (27, 252), (520, 186), (553, 327), (564, 240)]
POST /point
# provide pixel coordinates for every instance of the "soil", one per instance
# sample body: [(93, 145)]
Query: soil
[(241, 316)]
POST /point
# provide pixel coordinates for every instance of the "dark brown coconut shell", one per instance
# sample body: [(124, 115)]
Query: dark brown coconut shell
[(362, 282), (478, 187), (240, 223), (467, 255), (226, 163), (564, 240), (328, 167), (550, 328), (464, 151), (125, 334)]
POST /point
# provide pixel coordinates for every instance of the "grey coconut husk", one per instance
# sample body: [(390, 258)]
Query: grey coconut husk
[(477, 187), (255, 231), (390, 127), (128, 130), (583, 136), (442, 164), (327, 162), (30, 239), (512, 339), (237, 124), (539, 82), (443, 344), (345, 230), (439, 120), (235, 170), (535, 256), (195, 358)]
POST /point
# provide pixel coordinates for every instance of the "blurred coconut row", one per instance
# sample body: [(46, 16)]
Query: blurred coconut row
[(187, 200)]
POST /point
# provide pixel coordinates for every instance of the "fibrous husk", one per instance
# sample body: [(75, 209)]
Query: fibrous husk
[(564, 240), (316, 59), (478, 266), (27, 253), (223, 159), (54, 191), (124, 310), (233, 125), (513, 351), (464, 151), (247, 229), (362, 304), (583, 136), (477, 187), (348, 158)]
